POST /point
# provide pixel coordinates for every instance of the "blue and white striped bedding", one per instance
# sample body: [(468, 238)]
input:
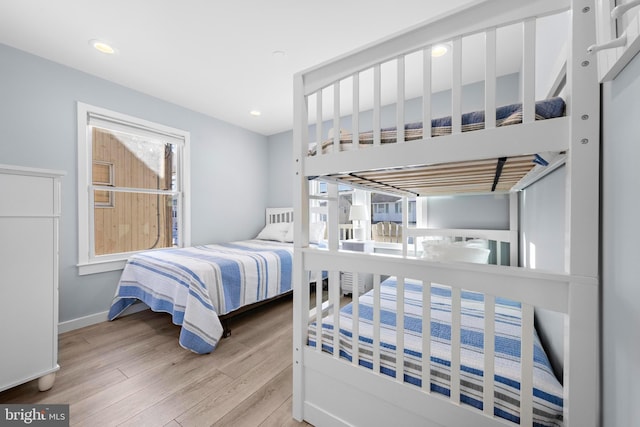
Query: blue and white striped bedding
[(197, 284), (547, 392)]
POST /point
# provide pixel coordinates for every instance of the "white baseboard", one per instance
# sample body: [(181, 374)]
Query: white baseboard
[(92, 319)]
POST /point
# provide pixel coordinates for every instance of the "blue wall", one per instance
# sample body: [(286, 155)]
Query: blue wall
[(229, 165)]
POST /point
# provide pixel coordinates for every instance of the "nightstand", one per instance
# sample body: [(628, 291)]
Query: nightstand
[(365, 280)]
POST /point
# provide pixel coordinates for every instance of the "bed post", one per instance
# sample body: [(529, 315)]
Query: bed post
[(301, 240), (581, 370)]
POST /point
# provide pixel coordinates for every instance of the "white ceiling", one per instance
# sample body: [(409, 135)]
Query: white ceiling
[(214, 57)]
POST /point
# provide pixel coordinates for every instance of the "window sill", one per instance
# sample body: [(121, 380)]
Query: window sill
[(101, 266)]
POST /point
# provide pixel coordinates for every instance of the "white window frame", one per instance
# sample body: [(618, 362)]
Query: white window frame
[(88, 262)]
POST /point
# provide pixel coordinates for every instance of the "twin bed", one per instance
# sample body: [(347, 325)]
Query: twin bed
[(363, 363), (199, 285)]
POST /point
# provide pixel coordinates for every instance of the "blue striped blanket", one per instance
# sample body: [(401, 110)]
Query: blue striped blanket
[(548, 394), (197, 284)]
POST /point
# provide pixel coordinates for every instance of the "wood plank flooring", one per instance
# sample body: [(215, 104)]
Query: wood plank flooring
[(132, 372)]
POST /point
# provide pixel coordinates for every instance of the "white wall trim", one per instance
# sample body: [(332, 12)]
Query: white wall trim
[(92, 319)]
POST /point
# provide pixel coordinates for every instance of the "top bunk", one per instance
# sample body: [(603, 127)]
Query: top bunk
[(359, 119)]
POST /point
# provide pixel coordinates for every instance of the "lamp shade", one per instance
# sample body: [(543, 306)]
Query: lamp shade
[(358, 213)]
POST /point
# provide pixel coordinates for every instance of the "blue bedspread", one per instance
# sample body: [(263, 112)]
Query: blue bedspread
[(197, 284), (548, 393)]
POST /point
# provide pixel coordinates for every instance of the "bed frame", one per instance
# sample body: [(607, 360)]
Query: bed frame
[(328, 390)]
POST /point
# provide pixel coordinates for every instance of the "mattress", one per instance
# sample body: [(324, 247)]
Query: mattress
[(548, 393), (198, 284), (505, 116)]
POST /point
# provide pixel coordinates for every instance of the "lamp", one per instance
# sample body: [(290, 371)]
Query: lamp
[(358, 213)]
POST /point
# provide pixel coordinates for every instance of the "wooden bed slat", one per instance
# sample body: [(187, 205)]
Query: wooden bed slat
[(452, 177)]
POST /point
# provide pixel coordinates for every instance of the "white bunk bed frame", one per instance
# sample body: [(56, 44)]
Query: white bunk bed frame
[(330, 391)]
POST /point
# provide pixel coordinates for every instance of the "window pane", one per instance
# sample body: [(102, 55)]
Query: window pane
[(136, 162), (136, 221)]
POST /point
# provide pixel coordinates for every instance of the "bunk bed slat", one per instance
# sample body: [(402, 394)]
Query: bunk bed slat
[(355, 293), (355, 116), (490, 79), (400, 327), (426, 92), (319, 306), (376, 104), (336, 116), (489, 353), (376, 323), (456, 305), (400, 101), (456, 86), (426, 336), (526, 364), (528, 71), (319, 120), (334, 294)]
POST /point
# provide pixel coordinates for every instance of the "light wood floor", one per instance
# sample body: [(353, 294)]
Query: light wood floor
[(132, 372)]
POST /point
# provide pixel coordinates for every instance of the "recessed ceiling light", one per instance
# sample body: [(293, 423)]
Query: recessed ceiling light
[(102, 46), (278, 53), (255, 113), (439, 50)]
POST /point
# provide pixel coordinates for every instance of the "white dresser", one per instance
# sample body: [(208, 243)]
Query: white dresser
[(29, 216)]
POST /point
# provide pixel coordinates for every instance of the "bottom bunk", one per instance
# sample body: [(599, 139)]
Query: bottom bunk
[(547, 390), (487, 366)]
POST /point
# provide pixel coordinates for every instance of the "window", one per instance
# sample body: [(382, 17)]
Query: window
[(133, 189)]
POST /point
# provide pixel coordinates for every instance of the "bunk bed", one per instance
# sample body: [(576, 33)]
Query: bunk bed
[(203, 286), (362, 363)]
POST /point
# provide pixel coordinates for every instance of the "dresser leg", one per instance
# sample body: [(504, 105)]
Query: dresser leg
[(46, 382)]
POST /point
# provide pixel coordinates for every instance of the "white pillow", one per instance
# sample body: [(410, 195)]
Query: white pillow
[(275, 231), (289, 236), (316, 232)]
